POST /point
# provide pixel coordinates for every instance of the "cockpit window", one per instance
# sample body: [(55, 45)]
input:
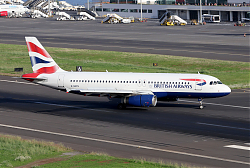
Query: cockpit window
[(215, 82)]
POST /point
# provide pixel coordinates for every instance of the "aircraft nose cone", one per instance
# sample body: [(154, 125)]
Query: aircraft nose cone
[(227, 89)]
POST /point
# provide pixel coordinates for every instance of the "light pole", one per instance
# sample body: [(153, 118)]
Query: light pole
[(88, 4), (200, 13), (141, 10), (49, 7)]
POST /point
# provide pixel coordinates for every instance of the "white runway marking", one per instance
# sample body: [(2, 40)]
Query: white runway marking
[(226, 105), (126, 144), (27, 83), (246, 129), (238, 147)]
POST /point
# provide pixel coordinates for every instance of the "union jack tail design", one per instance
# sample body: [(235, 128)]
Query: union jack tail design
[(40, 59)]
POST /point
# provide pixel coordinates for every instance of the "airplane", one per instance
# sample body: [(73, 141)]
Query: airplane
[(135, 89), (13, 10)]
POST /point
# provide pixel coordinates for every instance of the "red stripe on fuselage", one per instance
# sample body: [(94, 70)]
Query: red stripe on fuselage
[(200, 80), (34, 48)]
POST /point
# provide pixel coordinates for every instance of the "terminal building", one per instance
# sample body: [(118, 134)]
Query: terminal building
[(228, 10)]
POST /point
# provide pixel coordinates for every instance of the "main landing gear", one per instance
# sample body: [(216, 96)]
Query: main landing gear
[(121, 106), (200, 101)]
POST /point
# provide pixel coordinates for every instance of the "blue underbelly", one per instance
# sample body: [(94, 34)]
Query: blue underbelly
[(189, 94)]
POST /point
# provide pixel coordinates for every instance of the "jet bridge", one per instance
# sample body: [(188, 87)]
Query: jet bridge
[(113, 18), (170, 20)]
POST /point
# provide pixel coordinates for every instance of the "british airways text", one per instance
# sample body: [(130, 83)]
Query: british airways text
[(172, 86)]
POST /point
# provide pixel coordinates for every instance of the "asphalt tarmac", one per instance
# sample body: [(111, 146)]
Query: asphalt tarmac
[(211, 41), (177, 132)]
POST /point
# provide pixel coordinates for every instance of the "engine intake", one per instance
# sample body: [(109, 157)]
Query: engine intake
[(142, 100)]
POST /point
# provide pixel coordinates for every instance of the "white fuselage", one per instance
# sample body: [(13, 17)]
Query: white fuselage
[(14, 9), (160, 84)]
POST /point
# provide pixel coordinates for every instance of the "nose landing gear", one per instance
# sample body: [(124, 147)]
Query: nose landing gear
[(200, 101)]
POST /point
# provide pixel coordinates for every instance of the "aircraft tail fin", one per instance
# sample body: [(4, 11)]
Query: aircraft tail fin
[(40, 59)]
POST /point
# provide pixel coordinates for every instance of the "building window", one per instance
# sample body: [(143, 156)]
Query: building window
[(115, 10), (133, 10), (143, 10), (98, 9), (106, 10), (124, 10)]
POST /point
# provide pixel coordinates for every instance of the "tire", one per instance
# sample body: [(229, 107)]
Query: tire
[(121, 106)]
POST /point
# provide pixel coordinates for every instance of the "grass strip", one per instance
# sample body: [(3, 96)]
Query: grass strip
[(15, 151), (232, 73), (95, 160)]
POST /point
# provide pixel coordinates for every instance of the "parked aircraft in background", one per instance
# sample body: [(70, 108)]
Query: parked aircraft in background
[(136, 89), (13, 10)]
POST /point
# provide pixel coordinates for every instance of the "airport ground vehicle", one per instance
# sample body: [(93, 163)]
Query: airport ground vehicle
[(38, 14), (136, 89), (211, 18), (82, 14), (171, 20), (113, 18), (239, 24)]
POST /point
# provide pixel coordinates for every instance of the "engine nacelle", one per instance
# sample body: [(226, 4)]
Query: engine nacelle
[(4, 13), (142, 100)]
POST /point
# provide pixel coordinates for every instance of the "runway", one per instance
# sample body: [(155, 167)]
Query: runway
[(212, 41), (217, 136), (179, 132)]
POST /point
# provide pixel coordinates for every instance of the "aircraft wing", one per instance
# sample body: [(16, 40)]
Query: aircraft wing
[(113, 92)]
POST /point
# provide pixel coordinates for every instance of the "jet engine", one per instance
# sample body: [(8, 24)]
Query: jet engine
[(142, 100)]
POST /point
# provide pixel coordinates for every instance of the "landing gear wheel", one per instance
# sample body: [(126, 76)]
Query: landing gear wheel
[(200, 100), (121, 106)]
